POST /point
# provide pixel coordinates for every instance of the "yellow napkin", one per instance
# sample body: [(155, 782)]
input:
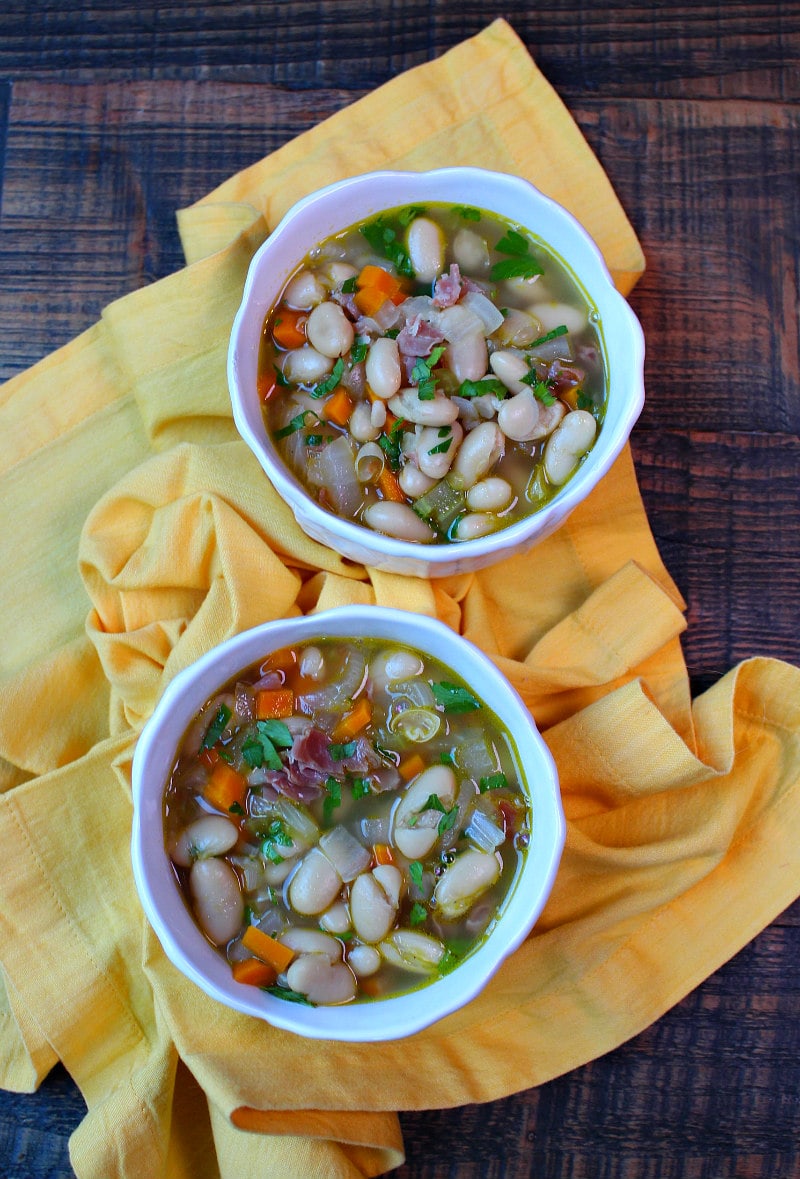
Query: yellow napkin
[(139, 531)]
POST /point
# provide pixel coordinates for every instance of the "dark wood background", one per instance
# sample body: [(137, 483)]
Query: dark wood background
[(113, 114)]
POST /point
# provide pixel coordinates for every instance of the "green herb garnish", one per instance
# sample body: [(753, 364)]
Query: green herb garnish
[(422, 374), (297, 423), (331, 381), (383, 240), (561, 330), (236, 808), (264, 741), (341, 752), (515, 268), (390, 444), (467, 213), (442, 447), (333, 798), (358, 352), (291, 996), (418, 914), (349, 285), (448, 962), (360, 787), (281, 379), (496, 781), (415, 872), (217, 727), (276, 837), (539, 387), (410, 213), (478, 388), (313, 439), (454, 698)]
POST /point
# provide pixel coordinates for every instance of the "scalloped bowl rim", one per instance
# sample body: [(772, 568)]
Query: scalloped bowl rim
[(163, 903), (328, 210)]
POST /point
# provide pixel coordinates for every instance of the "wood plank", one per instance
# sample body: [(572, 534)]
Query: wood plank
[(744, 48)]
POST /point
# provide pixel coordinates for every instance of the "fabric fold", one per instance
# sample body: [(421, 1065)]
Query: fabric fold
[(155, 534)]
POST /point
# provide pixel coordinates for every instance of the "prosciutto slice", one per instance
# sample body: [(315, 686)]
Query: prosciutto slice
[(447, 290), (418, 337)]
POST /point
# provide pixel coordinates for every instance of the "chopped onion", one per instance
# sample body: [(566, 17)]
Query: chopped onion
[(417, 691), (485, 834), (375, 830), (490, 315), (297, 822), (333, 467), (344, 687), (346, 854)]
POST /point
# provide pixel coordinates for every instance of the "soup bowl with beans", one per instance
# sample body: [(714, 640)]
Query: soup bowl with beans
[(433, 369), (344, 823)]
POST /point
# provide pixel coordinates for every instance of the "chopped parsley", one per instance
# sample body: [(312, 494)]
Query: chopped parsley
[(281, 379), (415, 872), (448, 818), (358, 352), (217, 727), (467, 213), (349, 285), (520, 263), (291, 996), (275, 838), (422, 374), (333, 798), (442, 447), (410, 213), (390, 443), (342, 752), (561, 330), (539, 387), (496, 781), (418, 914), (297, 423), (360, 787), (454, 698), (383, 240), (478, 388), (331, 381), (264, 741)]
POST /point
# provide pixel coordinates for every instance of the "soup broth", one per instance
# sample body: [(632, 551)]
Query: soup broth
[(345, 821), (435, 374)]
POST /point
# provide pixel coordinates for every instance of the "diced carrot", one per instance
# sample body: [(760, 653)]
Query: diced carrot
[(225, 789), (267, 948), (337, 408), (411, 766), (379, 279), (289, 328), (267, 383), (254, 972), (382, 853), (273, 703), (209, 757), (281, 660), (370, 300), (389, 486), (353, 722)]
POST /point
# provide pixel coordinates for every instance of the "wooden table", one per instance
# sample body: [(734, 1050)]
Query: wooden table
[(112, 116)]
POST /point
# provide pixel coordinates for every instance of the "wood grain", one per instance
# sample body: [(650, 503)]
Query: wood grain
[(113, 116)]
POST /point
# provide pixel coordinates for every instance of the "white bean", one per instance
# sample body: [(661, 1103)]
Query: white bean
[(382, 367), (312, 663), (509, 368), (518, 329), (407, 836), (549, 417), (403, 665), (321, 981), (398, 520), (425, 245), (567, 445), (434, 456), (304, 291), (312, 941), (212, 835), (302, 366), (468, 357), (216, 898), (413, 482), (315, 884), (412, 950), (438, 410), (338, 272), (363, 960), (475, 524), (373, 904), (471, 251), (361, 425), (490, 495), (336, 919), (378, 415), (553, 315), (518, 417), (329, 330), (481, 449), (463, 881)]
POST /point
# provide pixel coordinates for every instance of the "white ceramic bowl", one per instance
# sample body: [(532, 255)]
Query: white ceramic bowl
[(184, 944), (341, 205)]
